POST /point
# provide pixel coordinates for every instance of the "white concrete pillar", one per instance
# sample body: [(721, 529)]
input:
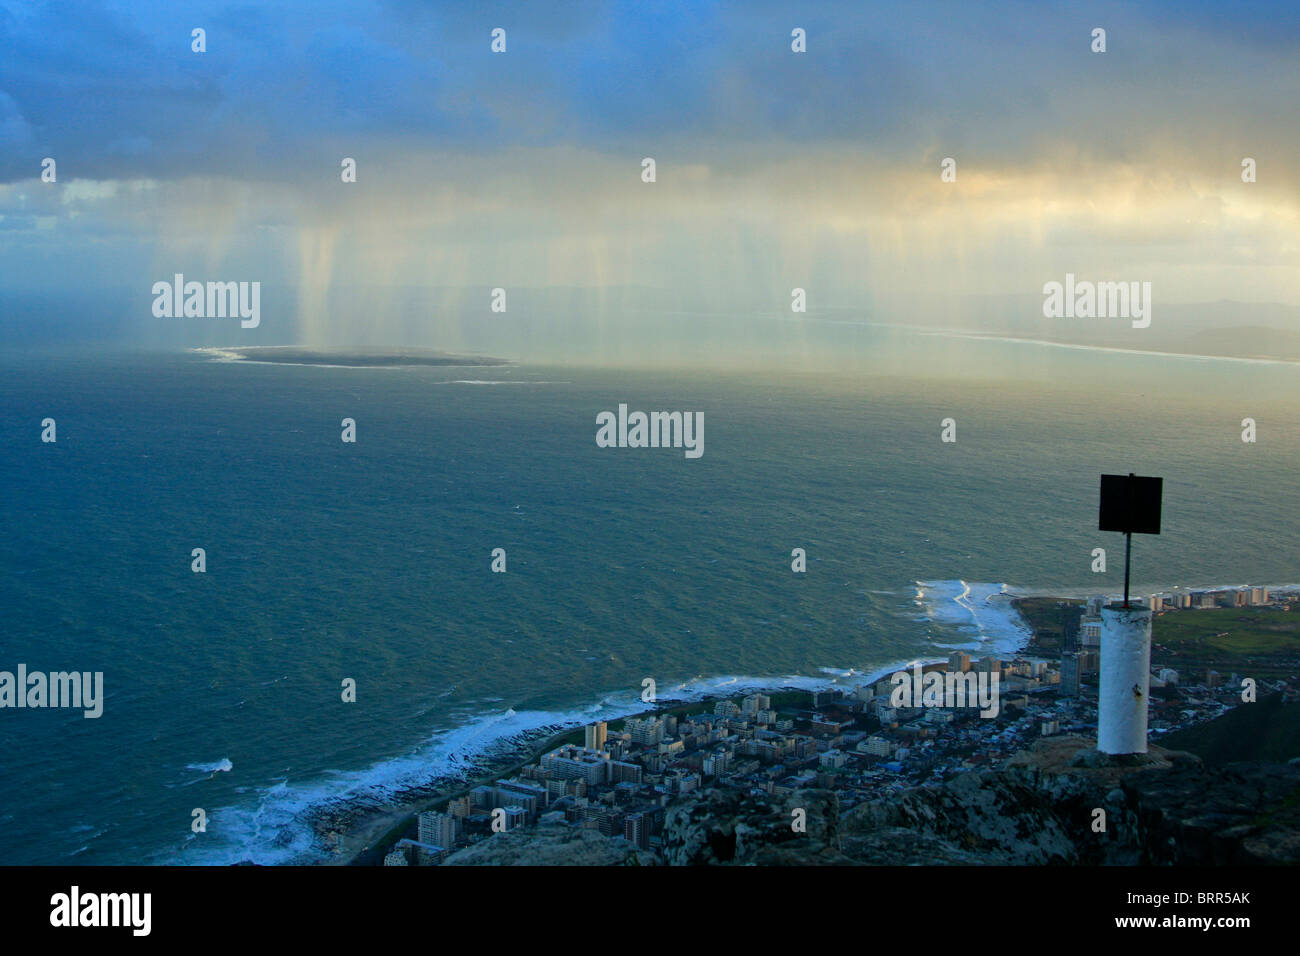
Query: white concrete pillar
[(1125, 679)]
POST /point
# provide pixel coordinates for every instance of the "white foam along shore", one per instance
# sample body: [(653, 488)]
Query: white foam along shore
[(281, 826)]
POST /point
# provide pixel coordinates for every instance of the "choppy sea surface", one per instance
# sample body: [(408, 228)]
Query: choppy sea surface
[(371, 561)]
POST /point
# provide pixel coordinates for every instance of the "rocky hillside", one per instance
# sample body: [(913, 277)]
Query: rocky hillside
[(1166, 807)]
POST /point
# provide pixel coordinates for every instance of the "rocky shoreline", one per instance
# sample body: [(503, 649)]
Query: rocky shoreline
[(348, 829), (351, 831)]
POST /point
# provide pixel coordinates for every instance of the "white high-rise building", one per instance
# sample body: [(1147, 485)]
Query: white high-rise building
[(569, 762), (596, 735), (438, 829), (645, 733), (1090, 632)]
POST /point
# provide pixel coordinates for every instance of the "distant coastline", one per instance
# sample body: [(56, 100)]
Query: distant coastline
[(349, 358)]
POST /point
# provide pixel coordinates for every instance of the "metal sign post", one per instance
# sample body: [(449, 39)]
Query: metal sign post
[(1131, 505)]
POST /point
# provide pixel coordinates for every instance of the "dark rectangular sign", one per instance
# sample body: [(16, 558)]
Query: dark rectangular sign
[(1130, 503)]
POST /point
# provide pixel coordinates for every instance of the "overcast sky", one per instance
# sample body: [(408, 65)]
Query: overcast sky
[(522, 169)]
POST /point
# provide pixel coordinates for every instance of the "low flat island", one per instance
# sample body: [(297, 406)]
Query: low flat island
[(350, 357)]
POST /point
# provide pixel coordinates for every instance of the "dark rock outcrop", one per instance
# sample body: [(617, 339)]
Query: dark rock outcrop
[(1043, 807), (1240, 814), (551, 844), (728, 826)]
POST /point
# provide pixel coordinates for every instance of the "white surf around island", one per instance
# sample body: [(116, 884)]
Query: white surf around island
[(355, 359)]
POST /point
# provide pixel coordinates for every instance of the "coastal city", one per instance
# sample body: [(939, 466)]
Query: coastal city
[(862, 742)]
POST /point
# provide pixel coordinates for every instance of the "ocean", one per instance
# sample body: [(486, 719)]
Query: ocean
[(371, 561)]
